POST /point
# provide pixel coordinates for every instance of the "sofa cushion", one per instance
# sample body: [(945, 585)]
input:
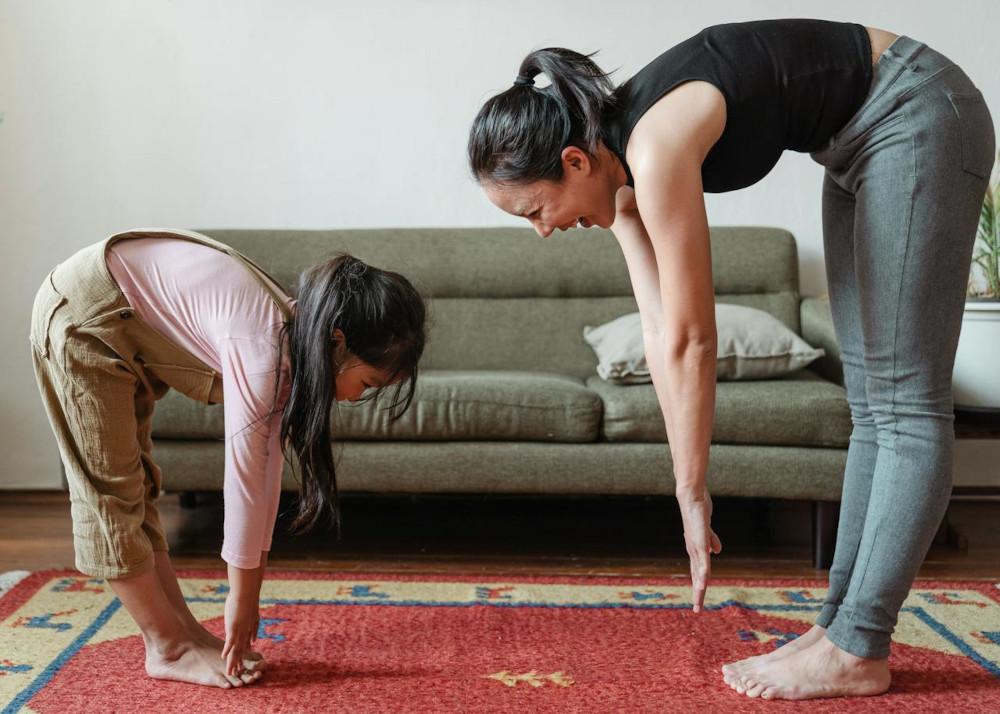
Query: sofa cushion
[(752, 345), (509, 406), (514, 406), (802, 409)]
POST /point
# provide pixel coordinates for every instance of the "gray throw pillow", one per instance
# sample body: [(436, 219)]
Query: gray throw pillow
[(752, 345)]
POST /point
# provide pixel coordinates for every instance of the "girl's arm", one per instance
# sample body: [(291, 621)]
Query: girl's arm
[(242, 612), (252, 484)]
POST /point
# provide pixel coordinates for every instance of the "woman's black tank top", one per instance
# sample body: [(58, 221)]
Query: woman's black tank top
[(788, 84)]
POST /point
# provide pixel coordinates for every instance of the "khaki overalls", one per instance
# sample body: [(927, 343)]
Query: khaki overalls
[(100, 368)]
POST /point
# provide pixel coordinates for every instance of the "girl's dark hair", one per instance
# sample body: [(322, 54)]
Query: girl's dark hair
[(382, 318), (518, 136)]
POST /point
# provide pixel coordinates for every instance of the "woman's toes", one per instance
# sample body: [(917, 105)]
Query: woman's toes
[(754, 689)]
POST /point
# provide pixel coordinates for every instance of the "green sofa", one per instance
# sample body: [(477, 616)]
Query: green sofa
[(509, 400)]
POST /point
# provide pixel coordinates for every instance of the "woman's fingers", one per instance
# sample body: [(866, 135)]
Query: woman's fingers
[(701, 542), (700, 569)]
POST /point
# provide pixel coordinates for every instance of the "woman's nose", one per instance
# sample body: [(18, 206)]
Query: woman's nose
[(543, 230)]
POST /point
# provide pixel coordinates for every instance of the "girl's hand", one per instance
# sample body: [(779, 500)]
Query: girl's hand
[(700, 539), (242, 617)]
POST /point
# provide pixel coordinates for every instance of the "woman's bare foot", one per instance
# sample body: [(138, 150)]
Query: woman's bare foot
[(822, 670), (194, 662), (254, 661), (734, 672)]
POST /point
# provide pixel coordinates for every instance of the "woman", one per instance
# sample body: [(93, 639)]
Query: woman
[(119, 323), (907, 142)]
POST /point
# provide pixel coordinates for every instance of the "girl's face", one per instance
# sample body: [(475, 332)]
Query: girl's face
[(585, 196), (356, 377)]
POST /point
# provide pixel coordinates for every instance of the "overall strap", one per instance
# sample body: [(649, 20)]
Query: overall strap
[(271, 286)]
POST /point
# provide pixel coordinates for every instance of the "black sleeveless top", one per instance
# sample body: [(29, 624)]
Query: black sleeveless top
[(788, 84)]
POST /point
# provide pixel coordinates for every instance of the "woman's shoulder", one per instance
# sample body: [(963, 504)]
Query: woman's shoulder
[(689, 118)]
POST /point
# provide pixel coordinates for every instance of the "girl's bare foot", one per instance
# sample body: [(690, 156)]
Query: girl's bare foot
[(822, 670), (253, 661), (194, 662), (734, 672)]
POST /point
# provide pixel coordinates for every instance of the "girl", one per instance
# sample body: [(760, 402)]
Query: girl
[(907, 142), (119, 323)]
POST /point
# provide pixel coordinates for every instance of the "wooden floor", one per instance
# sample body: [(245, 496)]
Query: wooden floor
[(621, 536)]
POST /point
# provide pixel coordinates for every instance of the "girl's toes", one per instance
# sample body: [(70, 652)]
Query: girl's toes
[(256, 665)]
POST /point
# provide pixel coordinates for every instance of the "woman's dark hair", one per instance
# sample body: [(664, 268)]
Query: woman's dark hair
[(518, 136), (382, 319)]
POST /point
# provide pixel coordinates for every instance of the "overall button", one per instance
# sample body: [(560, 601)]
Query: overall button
[(124, 314)]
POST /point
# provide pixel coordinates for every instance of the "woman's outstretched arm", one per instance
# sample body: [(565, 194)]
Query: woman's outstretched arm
[(670, 240), (692, 496)]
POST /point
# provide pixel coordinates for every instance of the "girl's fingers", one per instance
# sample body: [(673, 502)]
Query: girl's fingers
[(233, 664)]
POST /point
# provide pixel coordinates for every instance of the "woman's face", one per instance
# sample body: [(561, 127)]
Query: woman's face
[(585, 196)]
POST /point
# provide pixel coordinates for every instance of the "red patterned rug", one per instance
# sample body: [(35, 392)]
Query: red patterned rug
[(384, 644)]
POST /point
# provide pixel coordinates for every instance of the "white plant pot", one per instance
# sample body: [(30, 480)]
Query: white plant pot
[(976, 380)]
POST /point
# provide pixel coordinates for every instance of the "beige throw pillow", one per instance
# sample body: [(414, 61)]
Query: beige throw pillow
[(752, 345)]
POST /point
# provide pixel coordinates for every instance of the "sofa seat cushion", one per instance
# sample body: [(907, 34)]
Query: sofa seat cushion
[(448, 405), (802, 409)]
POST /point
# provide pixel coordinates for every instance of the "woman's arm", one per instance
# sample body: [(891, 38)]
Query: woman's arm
[(668, 238), (641, 262), (692, 496)]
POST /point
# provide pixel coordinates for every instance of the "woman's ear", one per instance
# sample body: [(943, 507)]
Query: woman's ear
[(575, 158)]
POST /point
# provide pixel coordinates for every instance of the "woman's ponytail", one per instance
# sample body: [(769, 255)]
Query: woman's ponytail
[(518, 135)]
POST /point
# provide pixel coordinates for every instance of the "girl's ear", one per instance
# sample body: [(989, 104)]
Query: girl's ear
[(340, 354)]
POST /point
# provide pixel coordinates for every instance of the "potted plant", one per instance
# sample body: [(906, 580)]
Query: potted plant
[(976, 382)]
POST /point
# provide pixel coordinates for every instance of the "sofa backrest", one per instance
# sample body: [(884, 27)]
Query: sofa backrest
[(502, 298)]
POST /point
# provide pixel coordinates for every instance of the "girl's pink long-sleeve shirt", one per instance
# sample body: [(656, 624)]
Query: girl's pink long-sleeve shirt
[(209, 304)]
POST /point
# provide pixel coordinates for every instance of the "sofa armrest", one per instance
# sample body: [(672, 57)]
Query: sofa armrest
[(817, 330)]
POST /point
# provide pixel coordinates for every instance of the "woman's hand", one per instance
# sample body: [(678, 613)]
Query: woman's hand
[(700, 539)]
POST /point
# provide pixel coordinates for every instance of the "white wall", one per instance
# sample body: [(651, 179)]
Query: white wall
[(310, 114)]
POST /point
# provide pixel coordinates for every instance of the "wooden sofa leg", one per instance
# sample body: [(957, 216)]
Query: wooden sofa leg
[(825, 515), (188, 499)]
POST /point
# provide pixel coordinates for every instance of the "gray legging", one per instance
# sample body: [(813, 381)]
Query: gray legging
[(904, 183)]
